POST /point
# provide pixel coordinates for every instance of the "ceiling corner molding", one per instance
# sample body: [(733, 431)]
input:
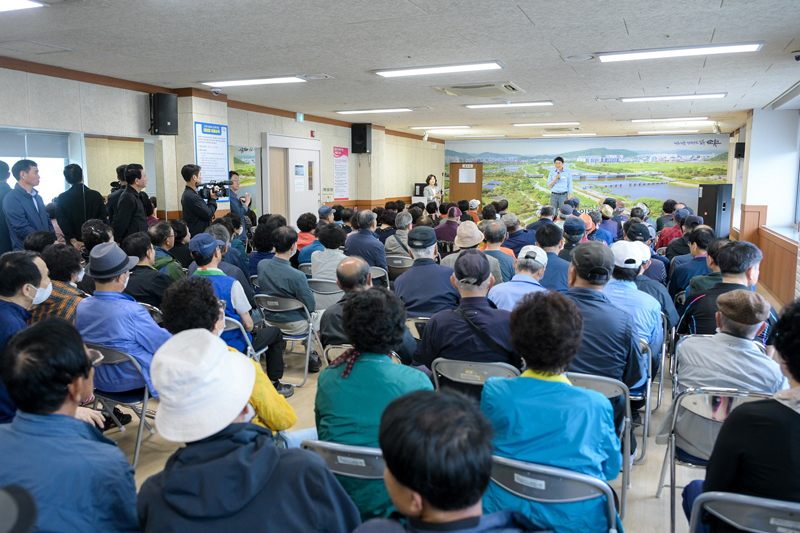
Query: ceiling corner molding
[(411, 136), (200, 93)]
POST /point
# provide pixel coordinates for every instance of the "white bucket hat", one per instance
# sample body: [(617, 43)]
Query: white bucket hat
[(202, 386)]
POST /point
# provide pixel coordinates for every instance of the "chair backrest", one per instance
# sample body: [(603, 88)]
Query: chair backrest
[(416, 324), (326, 292), (379, 273), (747, 513), (114, 357), (254, 282), (608, 387), (549, 484), (185, 272), (713, 403), (469, 372), (398, 264), (446, 247), (358, 462), (644, 346), (333, 351), (680, 299), (305, 268), (155, 313), (280, 304)]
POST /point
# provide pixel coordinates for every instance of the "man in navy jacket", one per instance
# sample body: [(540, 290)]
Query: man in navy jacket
[(23, 207)]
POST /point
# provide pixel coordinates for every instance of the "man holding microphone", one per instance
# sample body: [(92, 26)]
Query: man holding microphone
[(560, 183)]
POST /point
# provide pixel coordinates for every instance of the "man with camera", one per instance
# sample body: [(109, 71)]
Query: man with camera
[(196, 213)]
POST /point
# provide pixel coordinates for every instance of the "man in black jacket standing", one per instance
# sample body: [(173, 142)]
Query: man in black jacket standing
[(77, 205), (113, 199), (197, 213), (130, 217)]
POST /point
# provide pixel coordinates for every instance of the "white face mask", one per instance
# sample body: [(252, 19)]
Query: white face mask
[(241, 230), (42, 294), (80, 274), (127, 279)]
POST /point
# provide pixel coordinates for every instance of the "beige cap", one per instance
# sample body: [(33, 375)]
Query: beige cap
[(468, 235)]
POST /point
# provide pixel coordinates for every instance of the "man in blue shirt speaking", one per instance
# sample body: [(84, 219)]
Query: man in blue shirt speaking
[(560, 183)]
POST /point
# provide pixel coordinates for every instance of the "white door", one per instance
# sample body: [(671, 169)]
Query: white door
[(302, 183)]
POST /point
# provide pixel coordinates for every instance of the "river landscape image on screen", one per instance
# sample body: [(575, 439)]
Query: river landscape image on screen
[(630, 169)]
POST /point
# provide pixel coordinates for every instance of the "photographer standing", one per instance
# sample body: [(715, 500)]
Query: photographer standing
[(131, 216), (196, 213)]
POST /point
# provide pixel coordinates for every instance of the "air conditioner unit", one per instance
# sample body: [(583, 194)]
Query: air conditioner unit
[(482, 90)]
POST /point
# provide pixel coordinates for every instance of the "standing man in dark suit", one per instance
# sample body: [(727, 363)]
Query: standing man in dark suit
[(197, 213), (5, 238), (23, 207), (131, 216), (113, 198), (77, 205)]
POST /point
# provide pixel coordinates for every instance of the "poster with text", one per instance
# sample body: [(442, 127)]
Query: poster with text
[(341, 177), (631, 169), (211, 152), (244, 164)]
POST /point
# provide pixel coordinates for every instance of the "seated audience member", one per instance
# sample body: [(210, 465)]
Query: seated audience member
[(114, 320), (658, 291), (37, 241), (238, 236), (540, 417), (357, 386), (347, 218), (386, 226), (364, 243), (425, 221), (163, 238), (642, 212), (191, 304), (495, 234), (739, 462), (447, 230), (415, 212), (564, 212), (550, 239), (222, 229), (304, 256), (207, 253), (517, 237), (65, 267), (489, 212), (633, 230), (93, 232), (706, 281), (699, 240), (529, 267), (739, 264), (230, 475), (467, 238), (599, 233), (425, 288), (401, 206), (546, 215), (438, 452), (180, 250), (680, 245), (431, 210), (306, 224), (610, 344), (666, 220), (145, 284), (220, 233), (630, 258), (670, 233), (473, 211), (263, 247), (397, 244), (353, 275), (501, 207), (47, 450), (475, 331), (326, 214), (324, 263), (729, 359), (609, 224), (574, 234), (463, 206), (615, 215)]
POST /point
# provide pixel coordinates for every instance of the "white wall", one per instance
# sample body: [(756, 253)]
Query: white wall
[(409, 161)]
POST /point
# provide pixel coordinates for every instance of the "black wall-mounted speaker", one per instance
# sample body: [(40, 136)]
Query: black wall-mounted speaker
[(738, 150), (361, 138), (164, 114)]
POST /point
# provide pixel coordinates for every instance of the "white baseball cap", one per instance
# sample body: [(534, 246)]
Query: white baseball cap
[(533, 253), (630, 254), (202, 386)]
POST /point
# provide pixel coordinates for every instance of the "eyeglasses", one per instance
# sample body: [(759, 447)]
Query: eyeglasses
[(95, 357)]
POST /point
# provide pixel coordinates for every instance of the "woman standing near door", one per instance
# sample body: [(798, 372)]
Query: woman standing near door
[(432, 192)]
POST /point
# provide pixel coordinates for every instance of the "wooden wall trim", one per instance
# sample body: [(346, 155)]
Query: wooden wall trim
[(412, 136), (172, 215), (753, 217), (201, 93), (778, 272), (260, 109), (780, 240), (110, 138)]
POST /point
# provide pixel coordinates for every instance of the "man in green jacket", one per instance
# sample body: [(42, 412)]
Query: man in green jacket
[(163, 238)]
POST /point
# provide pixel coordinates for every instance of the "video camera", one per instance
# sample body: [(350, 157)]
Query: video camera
[(115, 185), (218, 187)]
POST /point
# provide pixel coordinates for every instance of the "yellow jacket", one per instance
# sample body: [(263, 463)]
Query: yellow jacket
[(272, 409)]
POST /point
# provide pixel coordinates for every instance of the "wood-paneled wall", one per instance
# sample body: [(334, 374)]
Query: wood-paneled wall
[(779, 266), (753, 217)]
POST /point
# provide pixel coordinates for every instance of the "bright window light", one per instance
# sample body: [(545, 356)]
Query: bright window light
[(439, 128), (510, 104), (568, 134), (665, 132), (542, 124), (632, 99), (681, 119), (365, 111), (262, 81), (14, 5), (440, 69), (682, 51)]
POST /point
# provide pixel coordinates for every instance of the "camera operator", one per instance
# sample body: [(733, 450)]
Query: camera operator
[(196, 213), (112, 201)]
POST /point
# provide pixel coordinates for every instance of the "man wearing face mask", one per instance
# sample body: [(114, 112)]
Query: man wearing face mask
[(65, 266), (115, 320)]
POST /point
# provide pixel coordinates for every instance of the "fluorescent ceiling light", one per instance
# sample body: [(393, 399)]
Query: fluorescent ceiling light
[(364, 111), (568, 134), (682, 119), (667, 131), (439, 128), (440, 69), (630, 99), (682, 51), (510, 104), (479, 135), (262, 81), (542, 124), (14, 5)]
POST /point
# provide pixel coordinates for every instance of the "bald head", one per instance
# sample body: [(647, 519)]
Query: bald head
[(353, 274)]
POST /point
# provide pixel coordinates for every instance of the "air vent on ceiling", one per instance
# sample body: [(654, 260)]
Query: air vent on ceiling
[(560, 130), (482, 90)]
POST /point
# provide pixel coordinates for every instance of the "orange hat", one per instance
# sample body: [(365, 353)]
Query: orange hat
[(588, 221)]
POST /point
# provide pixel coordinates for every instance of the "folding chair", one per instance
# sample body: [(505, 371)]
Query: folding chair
[(333, 351), (550, 484), (278, 304), (379, 273), (680, 299), (675, 362), (747, 513), (704, 402), (185, 272), (326, 292), (416, 324), (613, 388), (668, 333), (645, 395), (359, 462), (305, 268), (469, 373), (446, 248), (254, 282), (130, 399), (231, 324), (155, 313), (398, 264)]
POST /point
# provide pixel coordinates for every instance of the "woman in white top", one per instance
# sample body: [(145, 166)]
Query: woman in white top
[(432, 192), (324, 263)]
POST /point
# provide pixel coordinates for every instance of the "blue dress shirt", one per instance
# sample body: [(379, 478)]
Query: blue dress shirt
[(564, 182), (506, 295), (425, 288), (555, 275)]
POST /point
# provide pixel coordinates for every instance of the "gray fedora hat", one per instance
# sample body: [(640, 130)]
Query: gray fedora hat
[(107, 260)]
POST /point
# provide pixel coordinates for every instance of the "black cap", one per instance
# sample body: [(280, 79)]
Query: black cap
[(421, 237), (638, 232), (472, 267), (594, 261), (611, 201)]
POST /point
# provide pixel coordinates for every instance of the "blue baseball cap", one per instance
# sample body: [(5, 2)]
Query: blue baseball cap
[(325, 211), (204, 244)]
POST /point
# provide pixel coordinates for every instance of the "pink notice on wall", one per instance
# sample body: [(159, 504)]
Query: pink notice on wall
[(341, 177)]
